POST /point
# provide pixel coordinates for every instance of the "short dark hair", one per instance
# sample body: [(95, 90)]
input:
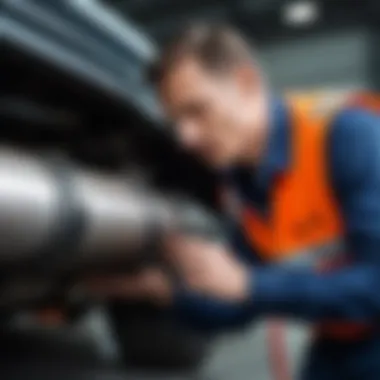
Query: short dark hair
[(216, 47)]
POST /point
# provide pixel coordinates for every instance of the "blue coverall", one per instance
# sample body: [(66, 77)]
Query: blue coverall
[(350, 294)]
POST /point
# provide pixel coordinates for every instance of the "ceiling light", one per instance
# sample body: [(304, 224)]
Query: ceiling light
[(301, 13)]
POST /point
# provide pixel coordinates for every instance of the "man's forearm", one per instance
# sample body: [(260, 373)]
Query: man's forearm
[(207, 314), (349, 294)]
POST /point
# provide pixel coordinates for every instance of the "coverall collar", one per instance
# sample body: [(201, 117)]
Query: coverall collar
[(276, 154)]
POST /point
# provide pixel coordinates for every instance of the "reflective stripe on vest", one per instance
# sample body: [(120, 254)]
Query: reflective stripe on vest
[(318, 257)]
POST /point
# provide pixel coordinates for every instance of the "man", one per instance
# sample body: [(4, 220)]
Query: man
[(306, 172)]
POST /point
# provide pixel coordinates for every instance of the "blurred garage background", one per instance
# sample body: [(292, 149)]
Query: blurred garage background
[(303, 43), (85, 60)]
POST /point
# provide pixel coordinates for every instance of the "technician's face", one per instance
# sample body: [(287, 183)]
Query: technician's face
[(210, 111)]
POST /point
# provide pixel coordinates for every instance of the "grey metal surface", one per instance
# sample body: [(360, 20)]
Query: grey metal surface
[(28, 200), (118, 217), (77, 220), (87, 40)]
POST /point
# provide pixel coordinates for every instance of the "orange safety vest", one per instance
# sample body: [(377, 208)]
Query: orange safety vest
[(305, 225)]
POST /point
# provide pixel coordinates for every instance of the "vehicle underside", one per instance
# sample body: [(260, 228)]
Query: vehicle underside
[(71, 103)]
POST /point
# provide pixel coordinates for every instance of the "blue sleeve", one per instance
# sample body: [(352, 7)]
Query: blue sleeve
[(209, 315), (351, 293)]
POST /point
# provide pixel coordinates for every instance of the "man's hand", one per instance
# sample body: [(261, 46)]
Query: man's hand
[(208, 268), (151, 284)]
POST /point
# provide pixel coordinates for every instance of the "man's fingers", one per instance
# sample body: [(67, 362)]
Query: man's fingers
[(151, 284), (183, 247), (173, 242), (185, 262), (196, 281), (116, 286), (190, 252), (191, 258)]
